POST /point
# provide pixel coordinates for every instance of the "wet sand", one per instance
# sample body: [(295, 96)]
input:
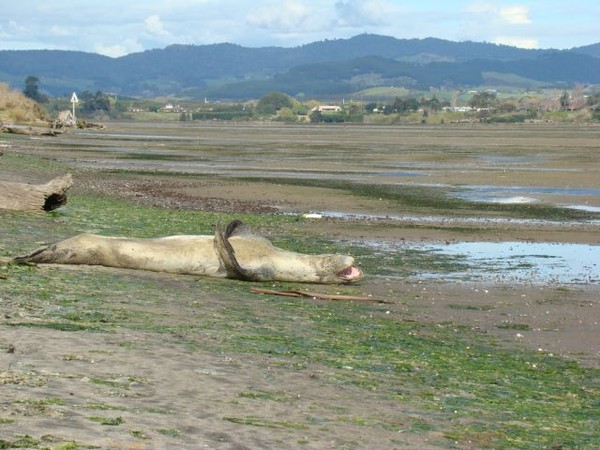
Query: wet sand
[(166, 393)]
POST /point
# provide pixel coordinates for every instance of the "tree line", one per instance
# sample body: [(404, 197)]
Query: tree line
[(282, 107)]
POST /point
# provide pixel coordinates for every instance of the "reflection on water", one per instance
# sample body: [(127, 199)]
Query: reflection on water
[(520, 262)]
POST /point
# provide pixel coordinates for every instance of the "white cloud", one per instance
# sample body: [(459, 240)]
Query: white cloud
[(515, 15), (115, 27), (154, 26), (481, 8), (280, 15), (57, 30), (357, 13), (124, 48), (15, 27), (507, 24), (517, 42)]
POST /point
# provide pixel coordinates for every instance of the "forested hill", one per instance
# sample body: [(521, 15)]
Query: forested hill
[(331, 66)]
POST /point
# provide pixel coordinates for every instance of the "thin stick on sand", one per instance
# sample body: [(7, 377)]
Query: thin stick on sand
[(318, 295)]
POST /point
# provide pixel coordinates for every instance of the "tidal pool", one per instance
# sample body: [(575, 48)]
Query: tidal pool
[(513, 262), (528, 194)]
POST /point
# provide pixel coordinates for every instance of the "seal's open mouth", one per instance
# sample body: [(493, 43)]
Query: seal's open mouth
[(350, 274)]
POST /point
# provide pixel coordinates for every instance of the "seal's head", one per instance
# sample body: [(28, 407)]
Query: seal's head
[(256, 259), (335, 269)]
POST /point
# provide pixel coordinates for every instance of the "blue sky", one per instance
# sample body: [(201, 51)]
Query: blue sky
[(118, 27)]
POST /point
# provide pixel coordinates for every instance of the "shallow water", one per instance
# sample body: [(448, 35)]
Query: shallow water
[(514, 262), (412, 220), (526, 194)]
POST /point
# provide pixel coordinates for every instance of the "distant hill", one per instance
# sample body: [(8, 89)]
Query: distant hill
[(340, 66), (590, 50)]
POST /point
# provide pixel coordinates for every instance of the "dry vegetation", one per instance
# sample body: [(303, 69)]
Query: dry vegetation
[(16, 108)]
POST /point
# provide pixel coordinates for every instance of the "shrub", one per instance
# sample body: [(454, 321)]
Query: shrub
[(15, 107)]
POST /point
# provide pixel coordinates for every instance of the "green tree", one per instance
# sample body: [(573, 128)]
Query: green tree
[(401, 105), (370, 107), (316, 116), (434, 104), (565, 100), (273, 102), (299, 108), (483, 100), (355, 108), (286, 115), (593, 100), (32, 90), (94, 103)]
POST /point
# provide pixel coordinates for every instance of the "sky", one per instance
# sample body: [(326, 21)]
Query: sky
[(118, 27)]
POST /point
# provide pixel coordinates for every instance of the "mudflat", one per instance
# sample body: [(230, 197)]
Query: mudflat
[(95, 357)]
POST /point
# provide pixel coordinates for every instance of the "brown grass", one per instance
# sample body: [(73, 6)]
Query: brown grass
[(16, 108)]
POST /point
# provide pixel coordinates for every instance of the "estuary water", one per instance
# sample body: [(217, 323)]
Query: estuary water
[(508, 262)]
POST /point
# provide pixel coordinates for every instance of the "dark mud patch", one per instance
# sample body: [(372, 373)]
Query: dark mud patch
[(168, 194)]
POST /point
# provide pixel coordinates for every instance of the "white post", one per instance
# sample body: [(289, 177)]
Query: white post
[(74, 100)]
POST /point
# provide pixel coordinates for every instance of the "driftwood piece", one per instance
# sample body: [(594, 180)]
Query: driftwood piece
[(318, 295), (35, 197), (65, 119), (29, 131), (84, 124)]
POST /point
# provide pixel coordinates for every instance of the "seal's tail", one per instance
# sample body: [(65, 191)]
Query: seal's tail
[(226, 253), (38, 256)]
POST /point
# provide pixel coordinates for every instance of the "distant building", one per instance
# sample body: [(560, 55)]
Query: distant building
[(457, 108), (327, 108), (170, 107)]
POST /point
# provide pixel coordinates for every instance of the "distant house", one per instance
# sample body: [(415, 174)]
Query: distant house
[(170, 107), (327, 108), (457, 108)]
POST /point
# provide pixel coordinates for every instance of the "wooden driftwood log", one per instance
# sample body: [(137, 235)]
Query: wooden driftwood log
[(29, 131), (35, 197)]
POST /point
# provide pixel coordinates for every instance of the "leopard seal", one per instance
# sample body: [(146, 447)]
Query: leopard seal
[(232, 253)]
